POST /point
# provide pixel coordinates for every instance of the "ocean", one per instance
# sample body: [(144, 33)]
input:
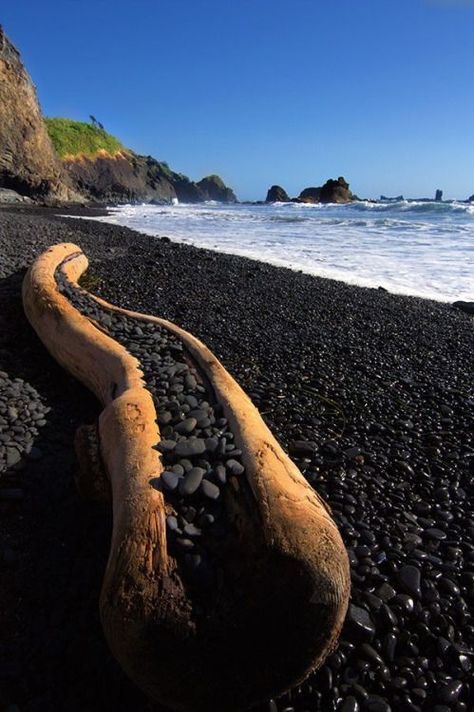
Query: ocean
[(419, 248)]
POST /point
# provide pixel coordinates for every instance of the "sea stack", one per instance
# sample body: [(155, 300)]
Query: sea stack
[(333, 191), (277, 194)]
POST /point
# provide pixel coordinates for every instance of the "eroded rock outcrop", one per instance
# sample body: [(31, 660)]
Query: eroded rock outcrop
[(310, 195), (277, 194), (214, 188), (120, 178), (333, 191), (127, 177), (28, 162), (336, 191)]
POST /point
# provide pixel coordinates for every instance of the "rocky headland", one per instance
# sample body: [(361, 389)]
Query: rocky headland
[(72, 161), (126, 177)]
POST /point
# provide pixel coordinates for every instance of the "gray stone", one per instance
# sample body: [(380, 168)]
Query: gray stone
[(190, 447), (186, 426), (210, 489), (170, 480), (234, 467), (192, 480)]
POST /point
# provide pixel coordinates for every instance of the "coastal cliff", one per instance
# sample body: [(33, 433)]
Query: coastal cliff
[(28, 161), (102, 169), (65, 160)]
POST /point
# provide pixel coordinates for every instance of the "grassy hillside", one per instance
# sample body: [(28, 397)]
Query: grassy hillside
[(76, 137)]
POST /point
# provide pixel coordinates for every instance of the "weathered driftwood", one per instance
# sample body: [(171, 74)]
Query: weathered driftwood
[(288, 565)]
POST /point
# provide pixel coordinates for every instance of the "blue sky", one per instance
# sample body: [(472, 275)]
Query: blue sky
[(266, 91)]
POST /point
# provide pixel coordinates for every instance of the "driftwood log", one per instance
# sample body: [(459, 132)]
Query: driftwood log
[(283, 611)]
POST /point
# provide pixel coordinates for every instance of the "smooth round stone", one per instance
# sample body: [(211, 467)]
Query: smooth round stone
[(166, 445), (360, 622), (435, 534), (212, 444), (167, 432), (368, 652), (178, 469), (449, 587), (189, 514), (350, 704), (234, 467), (190, 447), (410, 578), (185, 464), (200, 414), (405, 602), (221, 474), (191, 530), (386, 592), (389, 646), (450, 692), (172, 523), (192, 480), (164, 418), (13, 456), (190, 382), (170, 480), (186, 426), (209, 489)]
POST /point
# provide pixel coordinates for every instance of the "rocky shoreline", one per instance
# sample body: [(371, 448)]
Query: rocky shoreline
[(372, 394)]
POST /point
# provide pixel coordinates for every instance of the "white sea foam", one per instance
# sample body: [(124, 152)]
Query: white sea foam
[(409, 247)]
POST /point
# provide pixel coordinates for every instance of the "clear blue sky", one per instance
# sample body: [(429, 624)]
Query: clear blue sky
[(267, 91)]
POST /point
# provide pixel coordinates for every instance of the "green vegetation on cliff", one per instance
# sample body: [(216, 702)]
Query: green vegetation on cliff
[(72, 138)]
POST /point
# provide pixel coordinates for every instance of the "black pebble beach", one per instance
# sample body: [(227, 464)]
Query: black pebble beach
[(371, 393)]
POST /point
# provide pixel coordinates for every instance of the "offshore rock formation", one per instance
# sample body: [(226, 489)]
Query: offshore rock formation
[(310, 195), (336, 191), (333, 191), (277, 194), (28, 162)]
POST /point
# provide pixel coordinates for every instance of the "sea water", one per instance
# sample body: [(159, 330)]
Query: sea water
[(420, 248)]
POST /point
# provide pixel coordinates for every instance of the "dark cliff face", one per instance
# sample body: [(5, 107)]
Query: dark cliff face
[(122, 178), (30, 165), (28, 162), (129, 178)]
